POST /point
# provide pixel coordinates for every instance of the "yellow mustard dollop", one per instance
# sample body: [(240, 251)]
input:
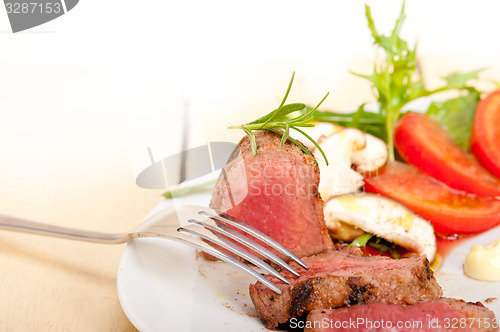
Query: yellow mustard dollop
[(483, 263)]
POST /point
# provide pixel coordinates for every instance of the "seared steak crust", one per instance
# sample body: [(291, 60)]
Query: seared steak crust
[(338, 278), (276, 191), (444, 314)]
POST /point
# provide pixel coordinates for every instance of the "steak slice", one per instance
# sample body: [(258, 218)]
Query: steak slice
[(444, 314), (344, 277), (275, 191)]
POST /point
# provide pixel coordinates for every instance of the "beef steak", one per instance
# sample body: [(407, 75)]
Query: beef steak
[(276, 191), (444, 314), (345, 277)]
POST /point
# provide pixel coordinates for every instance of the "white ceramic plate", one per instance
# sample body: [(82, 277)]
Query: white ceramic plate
[(166, 286)]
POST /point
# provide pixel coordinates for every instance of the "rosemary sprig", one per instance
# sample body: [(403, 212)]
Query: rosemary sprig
[(281, 120)]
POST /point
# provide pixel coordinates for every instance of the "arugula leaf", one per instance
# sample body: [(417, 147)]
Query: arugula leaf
[(457, 115), (368, 122), (376, 242), (384, 246), (396, 82), (281, 120), (459, 80), (361, 240)]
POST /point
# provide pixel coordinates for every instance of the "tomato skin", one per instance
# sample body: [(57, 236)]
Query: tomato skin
[(449, 210), (424, 143), (485, 136)]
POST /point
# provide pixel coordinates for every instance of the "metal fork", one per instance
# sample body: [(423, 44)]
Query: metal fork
[(203, 228)]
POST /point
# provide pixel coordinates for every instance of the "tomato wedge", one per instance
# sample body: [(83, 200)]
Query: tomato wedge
[(424, 143), (449, 210), (485, 136)]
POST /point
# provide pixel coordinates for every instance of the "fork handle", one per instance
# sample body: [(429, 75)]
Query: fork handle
[(27, 226)]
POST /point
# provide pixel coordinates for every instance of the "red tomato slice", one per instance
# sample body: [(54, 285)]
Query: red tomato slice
[(424, 143), (449, 210), (485, 136)]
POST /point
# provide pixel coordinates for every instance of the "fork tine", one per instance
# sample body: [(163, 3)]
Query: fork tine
[(245, 241), (229, 220), (232, 247), (197, 243)]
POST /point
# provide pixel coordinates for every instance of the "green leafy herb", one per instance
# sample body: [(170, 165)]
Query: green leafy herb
[(495, 83), (396, 82), (281, 120), (459, 80), (457, 115), (361, 240), (183, 191), (383, 246)]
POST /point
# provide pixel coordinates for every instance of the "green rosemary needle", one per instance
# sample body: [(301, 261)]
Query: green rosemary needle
[(281, 120)]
